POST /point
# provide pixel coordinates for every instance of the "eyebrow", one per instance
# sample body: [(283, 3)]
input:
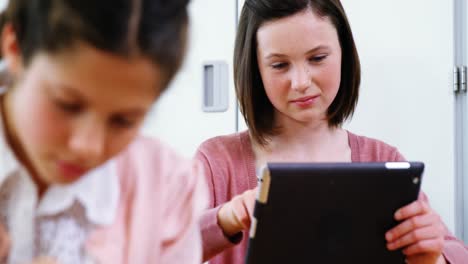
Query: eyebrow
[(133, 112), (137, 112), (319, 47), (70, 91)]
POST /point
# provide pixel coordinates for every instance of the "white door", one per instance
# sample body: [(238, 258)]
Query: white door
[(406, 96), (178, 117)]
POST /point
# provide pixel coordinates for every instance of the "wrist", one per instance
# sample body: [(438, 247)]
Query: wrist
[(227, 222)]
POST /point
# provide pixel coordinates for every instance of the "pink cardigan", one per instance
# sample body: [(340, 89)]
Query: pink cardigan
[(230, 170), (161, 199)]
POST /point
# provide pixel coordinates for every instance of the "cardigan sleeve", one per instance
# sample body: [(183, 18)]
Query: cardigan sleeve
[(213, 239), (454, 252)]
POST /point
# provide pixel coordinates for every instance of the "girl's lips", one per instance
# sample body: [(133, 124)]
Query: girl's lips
[(305, 101), (70, 170)]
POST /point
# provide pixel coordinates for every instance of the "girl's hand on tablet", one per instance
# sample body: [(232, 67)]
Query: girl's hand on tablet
[(420, 234), (235, 215)]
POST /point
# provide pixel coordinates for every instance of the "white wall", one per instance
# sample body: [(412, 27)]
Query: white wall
[(178, 117), (406, 50)]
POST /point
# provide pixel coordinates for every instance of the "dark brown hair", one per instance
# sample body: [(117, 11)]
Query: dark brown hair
[(155, 29), (254, 104)]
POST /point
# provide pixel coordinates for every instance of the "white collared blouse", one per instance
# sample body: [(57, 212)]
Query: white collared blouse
[(58, 224)]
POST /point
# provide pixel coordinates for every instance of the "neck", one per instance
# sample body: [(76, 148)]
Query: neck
[(305, 142), (309, 140), (305, 135)]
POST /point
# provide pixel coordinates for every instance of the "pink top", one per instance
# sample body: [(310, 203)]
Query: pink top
[(161, 200), (230, 170)]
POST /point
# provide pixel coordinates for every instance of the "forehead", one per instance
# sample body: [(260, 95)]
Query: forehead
[(100, 76), (297, 31)]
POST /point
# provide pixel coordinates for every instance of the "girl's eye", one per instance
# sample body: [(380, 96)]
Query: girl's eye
[(122, 122), (318, 58), (71, 108), (279, 65)]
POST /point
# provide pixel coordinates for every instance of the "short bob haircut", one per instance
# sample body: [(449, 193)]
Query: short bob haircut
[(254, 104)]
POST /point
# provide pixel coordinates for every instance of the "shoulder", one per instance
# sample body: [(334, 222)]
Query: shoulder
[(148, 161), (227, 159), (164, 193), (232, 145), (366, 149), (152, 148)]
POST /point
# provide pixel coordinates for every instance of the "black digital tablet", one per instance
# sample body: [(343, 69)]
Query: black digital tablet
[(330, 212)]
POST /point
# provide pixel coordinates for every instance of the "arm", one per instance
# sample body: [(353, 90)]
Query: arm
[(423, 236), (222, 225), (213, 239), (453, 250)]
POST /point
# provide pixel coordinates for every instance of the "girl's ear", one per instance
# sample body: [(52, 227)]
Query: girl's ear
[(11, 52)]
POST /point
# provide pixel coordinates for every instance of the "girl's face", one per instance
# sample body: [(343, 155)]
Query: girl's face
[(69, 113), (299, 58)]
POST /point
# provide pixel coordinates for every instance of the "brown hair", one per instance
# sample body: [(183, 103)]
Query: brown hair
[(254, 104), (155, 29)]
